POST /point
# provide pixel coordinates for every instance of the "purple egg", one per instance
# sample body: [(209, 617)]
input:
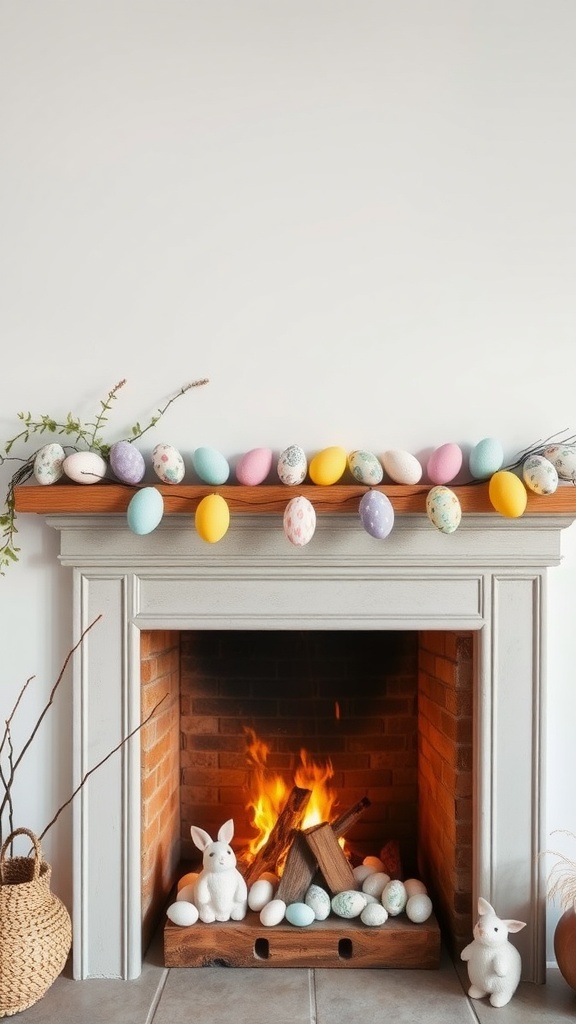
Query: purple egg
[(127, 463), (376, 514)]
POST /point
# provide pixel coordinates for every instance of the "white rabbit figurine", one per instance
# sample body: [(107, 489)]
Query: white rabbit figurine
[(220, 890), (494, 964)]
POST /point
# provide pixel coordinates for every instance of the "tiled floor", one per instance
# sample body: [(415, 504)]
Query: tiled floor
[(218, 995)]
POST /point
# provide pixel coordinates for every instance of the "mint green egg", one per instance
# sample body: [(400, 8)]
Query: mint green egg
[(145, 510), (299, 914), (211, 466), (486, 458)]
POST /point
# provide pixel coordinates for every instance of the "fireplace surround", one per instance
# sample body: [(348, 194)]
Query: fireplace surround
[(488, 578)]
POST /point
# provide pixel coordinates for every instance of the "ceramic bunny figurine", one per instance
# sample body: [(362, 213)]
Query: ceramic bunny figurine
[(494, 964), (220, 890)]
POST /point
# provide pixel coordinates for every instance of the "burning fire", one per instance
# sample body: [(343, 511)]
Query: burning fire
[(269, 791)]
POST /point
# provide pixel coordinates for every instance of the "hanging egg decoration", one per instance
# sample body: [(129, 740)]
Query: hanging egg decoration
[(253, 468), (299, 521), (211, 466), (486, 458), (402, 467), (49, 463), (85, 467), (443, 509), (145, 510), (444, 463), (328, 465), (212, 518), (507, 494), (365, 467), (127, 462), (292, 465), (563, 458), (376, 514), (168, 464), (539, 475)]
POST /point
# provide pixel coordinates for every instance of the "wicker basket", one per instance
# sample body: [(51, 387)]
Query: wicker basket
[(35, 929)]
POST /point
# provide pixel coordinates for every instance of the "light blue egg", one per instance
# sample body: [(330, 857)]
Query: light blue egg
[(299, 914), (376, 514), (145, 510), (486, 458), (211, 466)]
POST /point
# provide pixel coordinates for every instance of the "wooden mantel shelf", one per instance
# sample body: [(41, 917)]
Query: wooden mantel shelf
[(182, 499)]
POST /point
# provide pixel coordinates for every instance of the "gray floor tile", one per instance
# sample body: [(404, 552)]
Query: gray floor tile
[(218, 995), (551, 1003)]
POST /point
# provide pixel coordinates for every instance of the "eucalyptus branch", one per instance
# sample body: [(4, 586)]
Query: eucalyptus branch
[(99, 765)]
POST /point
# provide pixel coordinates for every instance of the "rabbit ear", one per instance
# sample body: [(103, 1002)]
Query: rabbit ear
[(226, 831), (484, 907), (200, 837), (515, 926)]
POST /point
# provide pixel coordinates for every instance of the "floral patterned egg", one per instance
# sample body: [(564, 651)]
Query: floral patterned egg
[(168, 464), (48, 463), (443, 509), (365, 467), (540, 475), (292, 465), (299, 521), (563, 458)]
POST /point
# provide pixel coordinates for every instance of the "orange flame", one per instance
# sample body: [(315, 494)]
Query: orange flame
[(268, 791)]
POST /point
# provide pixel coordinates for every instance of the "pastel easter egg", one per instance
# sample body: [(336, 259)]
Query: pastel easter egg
[(127, 462), (507, 494), (211, 466), (212, 518), (182, 913), (145, 510), (261, 893), (540, 475), (292, 465), (563, 458), (168, 464), (253, 468), (299, 914), (394, 897), (418, 908), (485, 458), (85, 467), (299, 521), (327, 466), (374, 915), (402, 467), (444, 463), (376, 514), (317, 898), (443, 509), (49, 463), (273, 913), (349, 903), (365, 467), (414, 886)]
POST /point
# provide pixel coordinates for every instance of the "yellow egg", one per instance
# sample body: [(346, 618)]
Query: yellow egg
[(507, 494), (212, 518), (328, 466)]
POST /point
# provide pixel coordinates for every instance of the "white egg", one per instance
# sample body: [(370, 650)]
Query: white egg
[(419, 908), (374, 914), (273, 913), (168, 464), (540, 475), (317, 898), (414, 886), (375, 884), (261, 893), (186, 893), (361, 872), (349, 903), (85, 467), (394, 897), (182, 913), (292, 465), (402, 467), (48, 463)]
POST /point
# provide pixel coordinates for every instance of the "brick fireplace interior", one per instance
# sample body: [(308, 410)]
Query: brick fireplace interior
[(392, 710)]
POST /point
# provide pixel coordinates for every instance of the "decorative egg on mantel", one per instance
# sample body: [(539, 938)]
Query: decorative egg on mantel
[(85, 467)]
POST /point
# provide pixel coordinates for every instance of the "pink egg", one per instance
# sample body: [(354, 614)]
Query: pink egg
[(254, 466), (444, 463), (299, 521)]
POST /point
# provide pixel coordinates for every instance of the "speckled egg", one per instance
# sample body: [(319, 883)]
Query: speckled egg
[(444, 463), (394, 897), (299, 521), (317, 898), (374, 914), (419, 908), (261, 893), (168, 464), (145, 510), (253, 468), (402, 467), (349, 903), (292, 465), (485, 458), (375, 884), (182, 913), (365, 467), (376, 514), (563, 458), (327, 466), (127, 462), (414, 886), (507, 494), (299, 914), (48, 463), (272, 913), (443, 509), (539, 475), (211, 466), (85, 467)]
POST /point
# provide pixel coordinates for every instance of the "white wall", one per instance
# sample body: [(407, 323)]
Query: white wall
[(356, 217)]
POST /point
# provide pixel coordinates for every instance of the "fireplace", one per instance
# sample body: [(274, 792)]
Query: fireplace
[(487, 581)]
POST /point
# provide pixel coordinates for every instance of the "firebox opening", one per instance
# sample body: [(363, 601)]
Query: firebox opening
[(390, 711)]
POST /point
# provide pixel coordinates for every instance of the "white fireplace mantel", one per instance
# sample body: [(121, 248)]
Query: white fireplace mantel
[(488, 577)]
